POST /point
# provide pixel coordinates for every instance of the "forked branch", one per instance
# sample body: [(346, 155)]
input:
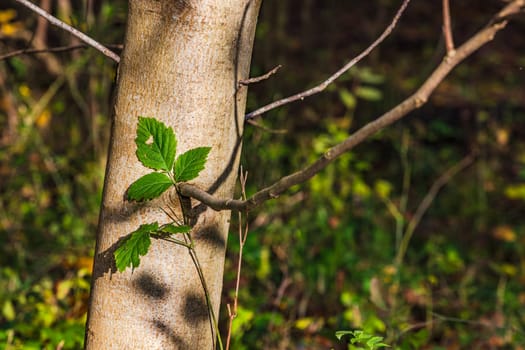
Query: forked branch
[(317, 89), (254, 80), (413, 102)]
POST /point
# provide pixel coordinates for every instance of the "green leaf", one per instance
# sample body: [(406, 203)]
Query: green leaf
[(340, 334), (367, 76), (133, 247), (369, 93), (174, 229), (156, 144), (191, 163), (375, 342), (347, 98), (149, 186)]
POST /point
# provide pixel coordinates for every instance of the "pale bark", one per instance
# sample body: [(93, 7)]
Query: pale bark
[(181, 63)]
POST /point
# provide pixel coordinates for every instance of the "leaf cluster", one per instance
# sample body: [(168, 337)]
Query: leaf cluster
[(156, 149), (368, 341)]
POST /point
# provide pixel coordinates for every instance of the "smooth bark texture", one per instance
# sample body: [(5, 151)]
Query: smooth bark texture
[(181, 64)]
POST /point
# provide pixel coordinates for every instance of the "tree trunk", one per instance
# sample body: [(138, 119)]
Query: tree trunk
[(181, 63)]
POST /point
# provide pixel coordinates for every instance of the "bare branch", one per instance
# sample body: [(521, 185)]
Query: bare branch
[(317, 89), (55, 21), (511, 9), (28, 51), (447, 28), (413, 102), (260, 78)]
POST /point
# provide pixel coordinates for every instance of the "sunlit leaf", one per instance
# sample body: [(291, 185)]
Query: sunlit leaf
[(63, 288), (340, 334), (191, 163), (242, 321), (8, 310), (42, 121), (304, 323), (156, 144), (24, 90), (383, 188), (10, 29), (504, 233), (515, 191), (7, 15), (375, 342)]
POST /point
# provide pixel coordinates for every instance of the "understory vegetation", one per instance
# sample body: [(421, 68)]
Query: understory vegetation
[(416, 236)]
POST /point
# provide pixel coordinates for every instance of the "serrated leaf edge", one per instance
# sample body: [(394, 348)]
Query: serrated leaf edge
[(204, 159), (164, 128)]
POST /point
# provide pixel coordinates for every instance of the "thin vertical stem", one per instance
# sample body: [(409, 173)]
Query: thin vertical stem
[(427, 201), (447, 28), (243, 234)]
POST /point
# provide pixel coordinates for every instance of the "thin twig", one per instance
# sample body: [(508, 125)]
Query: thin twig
[(260, 78), (265, 128), (407, 173), (28, 51), (55, 21), (427, 201), (190, 245), (243, 234), (213, 320), (414, 326), (418, 99), (438, 318), (317, 89), (485, 324), (447, 28)]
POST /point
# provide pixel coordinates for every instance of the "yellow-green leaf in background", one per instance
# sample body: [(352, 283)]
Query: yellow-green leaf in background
[(8, 310), (383, 188), (347, 98), (264, 264), (366, 75), (303, 323), (7, 15), (515, 191), (369, 93)]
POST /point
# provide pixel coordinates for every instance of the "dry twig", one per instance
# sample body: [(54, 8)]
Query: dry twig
[(447, 28), (28, 51), (254, 80), (317, 89), (243, 234)]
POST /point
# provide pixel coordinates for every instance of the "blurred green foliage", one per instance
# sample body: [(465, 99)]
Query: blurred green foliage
[(321, 258)]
